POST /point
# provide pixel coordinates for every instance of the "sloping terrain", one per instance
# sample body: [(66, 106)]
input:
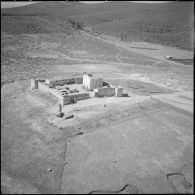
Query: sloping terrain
[(139, 151), (98, 144), (34, 25), (26, 56), (29, 146), (168, 23), (136, 144)]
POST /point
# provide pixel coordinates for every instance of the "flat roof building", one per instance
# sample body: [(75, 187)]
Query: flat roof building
[(91, 82)]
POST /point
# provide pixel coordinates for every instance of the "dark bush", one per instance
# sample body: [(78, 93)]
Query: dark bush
[(75, 24)]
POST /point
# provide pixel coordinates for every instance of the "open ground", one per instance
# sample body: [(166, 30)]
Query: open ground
[(137, 144)]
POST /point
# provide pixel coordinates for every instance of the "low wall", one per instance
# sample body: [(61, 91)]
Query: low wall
[(64, 100), (62, 82), (79, 80), (81, 96), (66, 81), (101, 92)]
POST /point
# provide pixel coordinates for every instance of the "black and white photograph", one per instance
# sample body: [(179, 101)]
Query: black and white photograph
[(97, 97)]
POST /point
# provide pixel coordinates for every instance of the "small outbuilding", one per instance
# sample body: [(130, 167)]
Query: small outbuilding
[(119, 91), (34, 84)]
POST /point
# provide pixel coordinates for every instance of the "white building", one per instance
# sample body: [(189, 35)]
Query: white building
[(90, 82), (119, 91)]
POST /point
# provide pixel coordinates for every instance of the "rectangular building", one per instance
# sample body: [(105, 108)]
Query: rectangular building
[(106, 91), (119, 91), (34, 84), (90, 82)]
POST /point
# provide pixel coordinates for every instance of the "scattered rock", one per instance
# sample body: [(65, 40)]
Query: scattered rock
[(68, 117), (78, 133), (49, 169), (60, 115), (125, 95)]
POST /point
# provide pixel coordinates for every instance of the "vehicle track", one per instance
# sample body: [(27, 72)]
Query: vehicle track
[(129, 189)]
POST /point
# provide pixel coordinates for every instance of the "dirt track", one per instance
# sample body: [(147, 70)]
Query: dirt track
[(152, 50)]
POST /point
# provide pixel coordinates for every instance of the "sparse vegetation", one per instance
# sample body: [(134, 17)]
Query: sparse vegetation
[(47, 40), (75, 24), (169, 23)]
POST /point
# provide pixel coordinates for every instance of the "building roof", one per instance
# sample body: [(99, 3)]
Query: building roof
[(62, 78), (92, 76), (96, 78)]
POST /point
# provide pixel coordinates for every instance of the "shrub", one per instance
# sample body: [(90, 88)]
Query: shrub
[(75, 24)]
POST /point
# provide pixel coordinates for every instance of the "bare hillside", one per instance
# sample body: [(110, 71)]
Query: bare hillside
[(168, 23)]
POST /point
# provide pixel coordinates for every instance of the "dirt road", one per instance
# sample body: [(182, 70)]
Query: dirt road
[(156, 51)]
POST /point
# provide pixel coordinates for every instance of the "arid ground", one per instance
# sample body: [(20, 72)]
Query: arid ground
[(142, 143), (131, 145)]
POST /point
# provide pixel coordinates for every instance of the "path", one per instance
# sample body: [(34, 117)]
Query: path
[(159, 51)]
